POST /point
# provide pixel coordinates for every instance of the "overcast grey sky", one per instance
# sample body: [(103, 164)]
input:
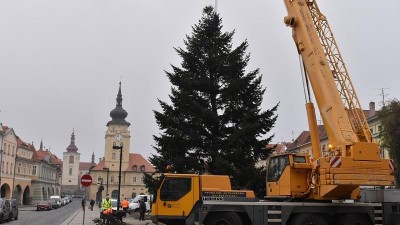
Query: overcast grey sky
[(61, 61)]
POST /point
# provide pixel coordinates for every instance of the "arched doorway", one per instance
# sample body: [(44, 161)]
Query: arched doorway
[(5, 191), (26, 199), (18, 193), (48, 193)]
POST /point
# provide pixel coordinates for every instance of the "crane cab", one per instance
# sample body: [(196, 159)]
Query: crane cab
[(288, 175)]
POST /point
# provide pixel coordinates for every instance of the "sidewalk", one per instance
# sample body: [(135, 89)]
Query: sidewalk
[(77, 218)]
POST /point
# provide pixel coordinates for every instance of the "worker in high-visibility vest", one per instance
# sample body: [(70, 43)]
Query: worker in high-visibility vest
[(106, 203), (106, 208)]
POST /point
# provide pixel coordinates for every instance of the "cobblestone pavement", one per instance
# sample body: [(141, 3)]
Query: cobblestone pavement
[(77, 218)]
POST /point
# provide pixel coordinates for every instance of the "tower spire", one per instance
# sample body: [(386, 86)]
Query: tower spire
[(93, 158), (72, 147), (118, 114)]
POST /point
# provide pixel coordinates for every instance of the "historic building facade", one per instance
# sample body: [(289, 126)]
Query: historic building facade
[(105, 174), (48, 179), (7, 159), (70, 168), (25, 171)]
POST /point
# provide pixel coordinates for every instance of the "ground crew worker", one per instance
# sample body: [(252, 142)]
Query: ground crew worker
[(125, 205), (106, 208)]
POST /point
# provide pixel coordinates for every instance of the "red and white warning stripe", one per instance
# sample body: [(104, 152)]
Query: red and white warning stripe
[(391, 164), (335, 161)]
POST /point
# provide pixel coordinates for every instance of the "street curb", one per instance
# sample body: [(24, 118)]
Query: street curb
[(70, 218)]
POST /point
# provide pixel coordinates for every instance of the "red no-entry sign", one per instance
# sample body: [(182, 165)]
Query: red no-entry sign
[(86, 180)]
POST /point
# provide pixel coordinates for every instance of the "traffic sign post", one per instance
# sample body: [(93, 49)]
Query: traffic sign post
[(86, 181)]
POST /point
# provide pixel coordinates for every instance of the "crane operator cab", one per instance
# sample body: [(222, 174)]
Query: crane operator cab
[(288, 175)]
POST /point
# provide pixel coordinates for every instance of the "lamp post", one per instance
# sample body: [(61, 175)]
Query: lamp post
[(119, 173), (108, 171)]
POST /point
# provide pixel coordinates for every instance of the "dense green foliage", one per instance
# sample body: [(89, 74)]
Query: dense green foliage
[(390, 133), (215, 117)]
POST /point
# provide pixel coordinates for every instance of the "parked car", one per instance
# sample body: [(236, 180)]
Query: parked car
[(54, 204), (44, 205), (14, 211), (57, 198), (4, 210), (64, 201)]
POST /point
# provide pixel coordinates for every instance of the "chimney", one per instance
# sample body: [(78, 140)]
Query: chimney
[(372, 111)]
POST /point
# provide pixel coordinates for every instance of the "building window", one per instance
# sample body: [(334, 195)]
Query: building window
[(8, 151), (11, 168), (112, 179), (70, 171), (2, 167), (114, 194), (99, 179), (113, 156), (71, 159), (34, 170), (24, 168), (134, 179), (142, 168), (19, 168), (12, 153), (142, 180), (134, 168), (133, 195), (7, 167)]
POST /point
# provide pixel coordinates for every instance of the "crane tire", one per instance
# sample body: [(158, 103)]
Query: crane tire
[(309, 219), (226, 218), (353, 219)]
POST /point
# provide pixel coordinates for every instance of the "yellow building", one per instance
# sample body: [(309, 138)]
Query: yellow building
[(7, 157), (105, 174)]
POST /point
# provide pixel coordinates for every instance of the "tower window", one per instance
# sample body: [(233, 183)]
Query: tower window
[(71, 159), (70, 171)]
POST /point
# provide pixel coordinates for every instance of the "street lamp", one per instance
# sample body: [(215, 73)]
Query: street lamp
[(108, 171), (119, 173)]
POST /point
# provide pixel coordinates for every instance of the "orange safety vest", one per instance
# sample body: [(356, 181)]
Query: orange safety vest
[(125, 204), (107, 211)]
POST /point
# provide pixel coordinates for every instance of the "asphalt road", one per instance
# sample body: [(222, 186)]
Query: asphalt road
[(30, 216)]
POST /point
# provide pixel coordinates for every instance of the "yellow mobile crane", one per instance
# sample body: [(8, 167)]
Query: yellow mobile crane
[(301, 189), (353, 159)]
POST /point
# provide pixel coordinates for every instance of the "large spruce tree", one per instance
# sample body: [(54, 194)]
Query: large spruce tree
[(215, 116)]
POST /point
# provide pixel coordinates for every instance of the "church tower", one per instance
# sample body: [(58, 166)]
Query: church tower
[(70, 170), (117, 134)]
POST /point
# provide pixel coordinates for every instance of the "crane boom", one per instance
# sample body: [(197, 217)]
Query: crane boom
[(353, 160)]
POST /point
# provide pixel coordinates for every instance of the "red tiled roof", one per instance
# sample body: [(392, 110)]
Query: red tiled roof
[(305, 138), (280, 147), (134, 160), (41, 155), (85, 165), (5, 128), (100, 166), (138, 161)]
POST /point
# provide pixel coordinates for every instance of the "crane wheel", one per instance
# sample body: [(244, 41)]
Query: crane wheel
[(227, 218), (354, 219), (309, 219)]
